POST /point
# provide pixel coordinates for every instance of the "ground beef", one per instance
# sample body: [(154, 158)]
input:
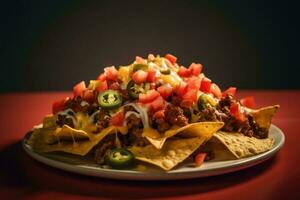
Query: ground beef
[(222, 113), (174, 115), (135, 130), (102, 120), (159, 123), (64, 119), (101, 150)]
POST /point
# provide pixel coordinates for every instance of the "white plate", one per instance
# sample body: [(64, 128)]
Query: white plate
[(82, 165)]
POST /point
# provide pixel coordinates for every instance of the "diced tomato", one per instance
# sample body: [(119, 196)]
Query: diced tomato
[(139, 76), (235, 111), (171, 58), (184, 72), (115, 86), (230, 91), (149, 96), (191, 95), (169, 64), (102, 86), (165, 91), (151, 75), (117, 119), (194, 83), (195, 68), (205, 85), (248, 102), (140, 60), (159, 114), (215, 90), (101, 77), (152, 86), (181, 89), (186, 103), (111, 73), (88, 95), (79, 88), (158, 104), (59, 105), (199, 159)]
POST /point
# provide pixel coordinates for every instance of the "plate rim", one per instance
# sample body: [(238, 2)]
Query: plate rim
[(160, 175)]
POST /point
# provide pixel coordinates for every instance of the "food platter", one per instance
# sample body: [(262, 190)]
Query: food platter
[(86, 166)]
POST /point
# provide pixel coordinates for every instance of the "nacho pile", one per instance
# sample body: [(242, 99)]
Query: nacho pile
[(157, 112)]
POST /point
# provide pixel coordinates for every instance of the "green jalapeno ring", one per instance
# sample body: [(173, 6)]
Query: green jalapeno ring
[(110, 99), (139, 66), (119, 158), (134, 89)]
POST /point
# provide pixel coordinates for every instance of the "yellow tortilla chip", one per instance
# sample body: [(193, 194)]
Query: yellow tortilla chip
[(200, 129), (39, 141), (173, 152), (228, 146), (263, 116)]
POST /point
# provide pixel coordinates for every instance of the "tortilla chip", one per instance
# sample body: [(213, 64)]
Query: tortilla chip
[(40, 138), (200, 129), (228, 146), (263, 116), (173, 152)]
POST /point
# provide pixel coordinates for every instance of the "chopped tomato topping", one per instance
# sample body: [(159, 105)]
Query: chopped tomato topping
[(215, 90), (101, 77), (149, 96), (115, 86), (186, 103), (195, 69), (171, 58), (230, 91), (117, 119), (205, 85), (199, 159), (140, 60), (111, 73), (88, 95), (139, 76), (248, 102), (159, 114), (181, 89), (158, 104), (79, 88), (165, 91), (184, 72), (151, 75), (235, 111), (59, 105), (102, 86), (191, 95), (194, 83)]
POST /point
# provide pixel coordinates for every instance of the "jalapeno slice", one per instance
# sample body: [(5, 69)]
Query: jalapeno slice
[(205, 100), (202, 103), (110, 99), (137, 67), (119, 158), (134, 89), (165, 71)]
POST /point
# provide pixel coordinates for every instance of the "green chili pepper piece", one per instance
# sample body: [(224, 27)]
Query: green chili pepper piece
[(134, 89), (110, 99), (202, 103), (119, 158), (137, 67), (165, 71)]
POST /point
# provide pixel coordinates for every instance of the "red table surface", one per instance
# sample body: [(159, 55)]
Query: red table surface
[(24, 178)]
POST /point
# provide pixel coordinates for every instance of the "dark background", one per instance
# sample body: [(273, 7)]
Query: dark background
[(51, 45)]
